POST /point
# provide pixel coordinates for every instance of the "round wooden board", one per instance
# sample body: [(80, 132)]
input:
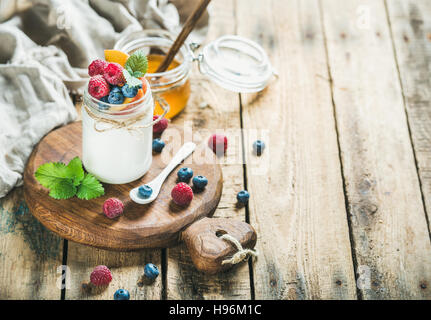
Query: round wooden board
[(155, 225)]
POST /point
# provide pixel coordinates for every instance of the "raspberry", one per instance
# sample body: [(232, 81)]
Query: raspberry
[(113, 73), (113, 208), (98, 87), (182, 194), (101, 276), (97, 67), (218, 143), (160, 126)]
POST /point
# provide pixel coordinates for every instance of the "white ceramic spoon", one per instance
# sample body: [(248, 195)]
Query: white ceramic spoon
[(186, 150)]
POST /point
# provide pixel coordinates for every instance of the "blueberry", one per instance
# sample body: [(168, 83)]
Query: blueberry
[(185, 174), (121, 294), (243, 196), (151, 271), (158, 145), (115, 89), (103, 106), (258, 147), (116, 96), (145, 191), (129, 92), (200, 182)]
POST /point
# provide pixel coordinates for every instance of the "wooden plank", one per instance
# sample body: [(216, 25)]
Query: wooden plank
[(297, 205), (127, 269), (222, 112), (385, 207), (411, 31), (127, 272), (29, 253)]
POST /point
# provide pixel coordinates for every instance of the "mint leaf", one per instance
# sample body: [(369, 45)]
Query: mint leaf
[(64, 181), (131, 80), (137, 62), (138, 74), (54, 176), (51, 173), (90, 188), (64, 189), (74, 170)]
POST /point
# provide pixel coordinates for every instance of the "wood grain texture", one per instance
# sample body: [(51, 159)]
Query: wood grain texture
[(156, 225), (296, 204), (411, 31), (389, 228), (213, 109), (127, 270), (29, 253)]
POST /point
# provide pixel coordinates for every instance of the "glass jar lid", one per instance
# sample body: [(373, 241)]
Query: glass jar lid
[(236, 63)]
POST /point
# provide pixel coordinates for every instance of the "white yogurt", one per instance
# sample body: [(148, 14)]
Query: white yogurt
[(121, 155)]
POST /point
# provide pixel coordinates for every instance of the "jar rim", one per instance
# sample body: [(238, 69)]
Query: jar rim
[(112, 109), (178, 71)]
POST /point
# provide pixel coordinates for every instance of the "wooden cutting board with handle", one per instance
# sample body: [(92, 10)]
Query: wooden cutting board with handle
[(159, 224)]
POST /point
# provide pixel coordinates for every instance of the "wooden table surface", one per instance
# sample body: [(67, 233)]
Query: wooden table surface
[(340, 198)]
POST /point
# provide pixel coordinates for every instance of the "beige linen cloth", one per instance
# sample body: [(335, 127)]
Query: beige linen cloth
[(45, 47)]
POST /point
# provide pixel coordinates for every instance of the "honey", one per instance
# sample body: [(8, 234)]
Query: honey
[(176, 94)]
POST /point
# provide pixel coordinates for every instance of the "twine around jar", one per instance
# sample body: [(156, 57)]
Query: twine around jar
[(129, 123), (241, 254)]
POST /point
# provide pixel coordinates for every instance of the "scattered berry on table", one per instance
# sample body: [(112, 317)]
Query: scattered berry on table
[(158, 145), (97, 67), (101, 276), (160, 126), (185, 174), (200, 182), (151, 271), (258, 147), (113, 208), (121, 294), (182, 194), (129, 92), (145, 191), (218, 144), (116, 96), (243, 196), (113, 74), (98, 87)]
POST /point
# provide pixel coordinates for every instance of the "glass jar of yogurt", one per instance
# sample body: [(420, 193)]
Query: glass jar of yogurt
[(117, 138)]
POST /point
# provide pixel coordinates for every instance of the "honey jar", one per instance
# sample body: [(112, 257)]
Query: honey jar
[(232, 62), (173, 85)]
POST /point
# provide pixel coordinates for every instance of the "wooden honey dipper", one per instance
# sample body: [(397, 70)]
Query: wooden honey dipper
[(182, 36)]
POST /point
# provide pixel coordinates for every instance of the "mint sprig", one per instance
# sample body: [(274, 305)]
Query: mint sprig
[(65, 181), (130, 79), (135, 67), (137, 62)]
